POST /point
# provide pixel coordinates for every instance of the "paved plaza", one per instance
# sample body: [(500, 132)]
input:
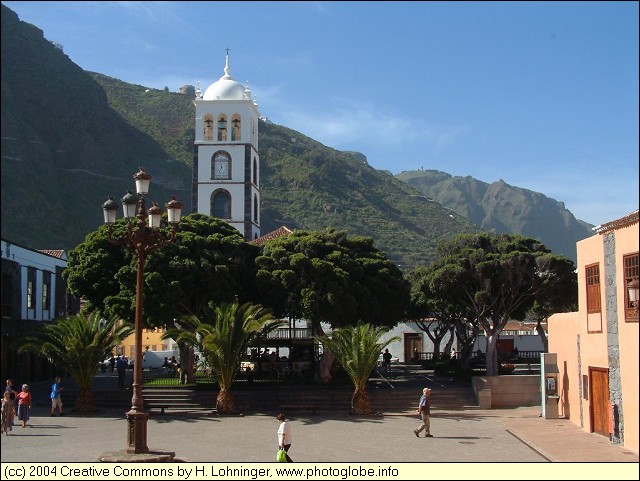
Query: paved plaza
[(327, 437), (514, 435)]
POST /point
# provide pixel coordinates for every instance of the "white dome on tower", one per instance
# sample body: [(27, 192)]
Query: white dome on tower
[(226, 88)]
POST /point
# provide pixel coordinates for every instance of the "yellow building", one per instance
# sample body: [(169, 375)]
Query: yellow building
[(597, 347), (151, 340)]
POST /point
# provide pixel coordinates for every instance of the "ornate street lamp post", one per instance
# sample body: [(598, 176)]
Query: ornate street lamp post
[(142, 236)]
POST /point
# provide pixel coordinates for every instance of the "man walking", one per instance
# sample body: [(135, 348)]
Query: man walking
[(56, 398), (121, 367), (424, 409)]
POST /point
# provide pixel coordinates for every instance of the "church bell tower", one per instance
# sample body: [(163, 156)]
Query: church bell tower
[(225, 158)]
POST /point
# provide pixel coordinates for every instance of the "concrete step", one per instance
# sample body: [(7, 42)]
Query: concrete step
[(395, 395)]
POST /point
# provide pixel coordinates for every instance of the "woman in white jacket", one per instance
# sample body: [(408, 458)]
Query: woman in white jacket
[(284, 435)]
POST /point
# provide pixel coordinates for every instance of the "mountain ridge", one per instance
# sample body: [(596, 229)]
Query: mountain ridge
[(84, 134), (503, 208)]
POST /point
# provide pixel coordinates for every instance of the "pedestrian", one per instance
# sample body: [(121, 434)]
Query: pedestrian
[(416, 356), (386, 361), (12, 395), (284, 435), (24, 404), (121, 367), (8, 411), (424, 409), (56, 397), (112, 362)]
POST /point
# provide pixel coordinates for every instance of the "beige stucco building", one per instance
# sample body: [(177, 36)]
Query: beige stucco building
[(597, 347), (151, 340)]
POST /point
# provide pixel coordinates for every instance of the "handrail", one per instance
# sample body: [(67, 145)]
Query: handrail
[(291, 333)]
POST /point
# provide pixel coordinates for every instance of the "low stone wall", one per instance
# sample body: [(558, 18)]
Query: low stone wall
[(507, 391)]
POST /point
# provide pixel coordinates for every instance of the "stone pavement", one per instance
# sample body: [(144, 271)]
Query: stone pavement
[(470, 436)]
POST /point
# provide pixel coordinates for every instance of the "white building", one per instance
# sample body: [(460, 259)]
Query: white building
[(226, 161), (33, 291)]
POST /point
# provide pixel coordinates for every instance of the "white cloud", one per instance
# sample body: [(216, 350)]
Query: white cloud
[(347, 123)]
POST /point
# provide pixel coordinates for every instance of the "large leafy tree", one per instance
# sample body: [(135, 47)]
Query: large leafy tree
[(222, 334), (326, 276), (77, 344), (558, 293), (497, 277), (357, 349), (434, 311), (208, 261), (437, 311)]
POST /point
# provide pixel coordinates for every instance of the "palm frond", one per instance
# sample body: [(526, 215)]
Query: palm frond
[(76, 344)]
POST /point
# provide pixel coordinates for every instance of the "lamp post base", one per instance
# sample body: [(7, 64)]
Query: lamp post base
[(153, 456), (137, 432)]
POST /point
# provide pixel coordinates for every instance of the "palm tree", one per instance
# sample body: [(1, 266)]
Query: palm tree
[(223, 336), (77, 344), (357, 349)]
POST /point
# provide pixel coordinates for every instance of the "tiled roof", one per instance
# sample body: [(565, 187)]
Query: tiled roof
[(272, 235), (625, 221), (58, 254)]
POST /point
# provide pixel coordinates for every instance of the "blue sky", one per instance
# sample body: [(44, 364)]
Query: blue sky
[(543, 95)]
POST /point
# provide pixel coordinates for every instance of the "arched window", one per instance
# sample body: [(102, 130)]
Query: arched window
[(222, 127), (235, 127), (221, 204), (208, 127), (255, 208), (255, 171)]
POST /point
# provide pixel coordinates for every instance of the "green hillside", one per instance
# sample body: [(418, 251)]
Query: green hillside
[(501, 207), (72, 138)]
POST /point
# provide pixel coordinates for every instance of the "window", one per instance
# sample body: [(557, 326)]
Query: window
[(255, 171), (30, 293), (208, 127), (221, 205), (222, 127), (630, 264), (7, 295), (235, 127), (593, 288), (255, 209), (45, 297)]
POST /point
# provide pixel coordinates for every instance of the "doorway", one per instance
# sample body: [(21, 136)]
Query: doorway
[(599, 394), (411, 341)]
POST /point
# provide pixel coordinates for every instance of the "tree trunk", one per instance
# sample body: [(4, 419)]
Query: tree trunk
[(465, 344), (326, 360), (542, 335), (324, 366), (436, 349), (85, 401), (225, 404), (449, 344), (491, 358), (360, 402)]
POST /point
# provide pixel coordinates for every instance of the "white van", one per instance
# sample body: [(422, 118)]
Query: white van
[(155, 359)]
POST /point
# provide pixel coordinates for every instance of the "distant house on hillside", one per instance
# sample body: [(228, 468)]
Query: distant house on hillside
[(597, 347), (33, 291)]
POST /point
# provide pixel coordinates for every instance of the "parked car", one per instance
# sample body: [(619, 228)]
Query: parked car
[(106, 364)]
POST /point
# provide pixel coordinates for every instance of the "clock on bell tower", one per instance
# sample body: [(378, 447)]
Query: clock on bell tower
[(226, 161)]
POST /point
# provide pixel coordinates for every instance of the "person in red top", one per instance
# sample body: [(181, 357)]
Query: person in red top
[(24, 404)]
